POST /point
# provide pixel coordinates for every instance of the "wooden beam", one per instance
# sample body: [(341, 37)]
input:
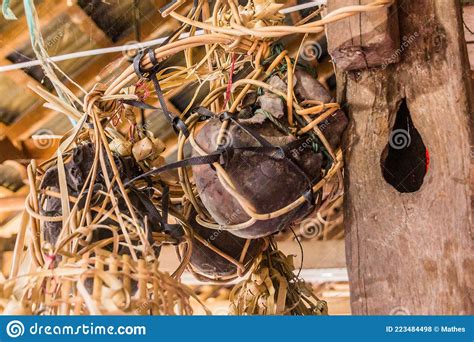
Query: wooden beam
[(8, 151), (15, 201), (295, 16), (365, 40), (12, 203), (29, 123), (18, 167), (3, 129), (77, 16), (10, 228), (87, 25), (16, 37), (37, 116), (40, 147), (17, 33), (20, 77), (32, 148), (468, 16), (409, 250)]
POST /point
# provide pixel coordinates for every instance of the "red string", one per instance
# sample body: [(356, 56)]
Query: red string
[(229, 84), (131, 133), (51, 258), (427, 155), (116, 117), (142, 90)]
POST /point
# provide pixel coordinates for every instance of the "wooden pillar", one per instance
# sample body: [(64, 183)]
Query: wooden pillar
[(366, 40), (411, 252)]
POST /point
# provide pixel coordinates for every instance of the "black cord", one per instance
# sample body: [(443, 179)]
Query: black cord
[(137, 30), (301, 249), (467, 27)]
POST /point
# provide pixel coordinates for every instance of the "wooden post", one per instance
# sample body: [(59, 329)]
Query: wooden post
[(369, 39), (410, 250)]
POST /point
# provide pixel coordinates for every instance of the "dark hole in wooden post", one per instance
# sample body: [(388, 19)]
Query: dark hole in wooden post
[(405, 159)]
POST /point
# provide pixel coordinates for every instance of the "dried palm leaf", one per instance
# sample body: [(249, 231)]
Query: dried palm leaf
[(274, 289)]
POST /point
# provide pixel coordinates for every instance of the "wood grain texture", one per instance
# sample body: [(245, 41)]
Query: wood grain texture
[(468, 16), (365, 40), (412, 252)]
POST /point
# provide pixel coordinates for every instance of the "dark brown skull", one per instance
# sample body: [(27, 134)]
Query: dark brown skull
[(210, 263), (266, 182)]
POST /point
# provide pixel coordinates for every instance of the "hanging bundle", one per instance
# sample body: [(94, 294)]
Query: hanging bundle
[(100, 285), (93, 244), (93, 207), (272, 170), (265, 138)]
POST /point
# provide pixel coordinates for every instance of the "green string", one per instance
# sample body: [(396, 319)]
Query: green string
[(38, 47), (30, 20), (6, 11)]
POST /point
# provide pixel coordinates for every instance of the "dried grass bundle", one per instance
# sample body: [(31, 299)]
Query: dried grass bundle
[(100, 285), (92, 245), (274, 289)]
